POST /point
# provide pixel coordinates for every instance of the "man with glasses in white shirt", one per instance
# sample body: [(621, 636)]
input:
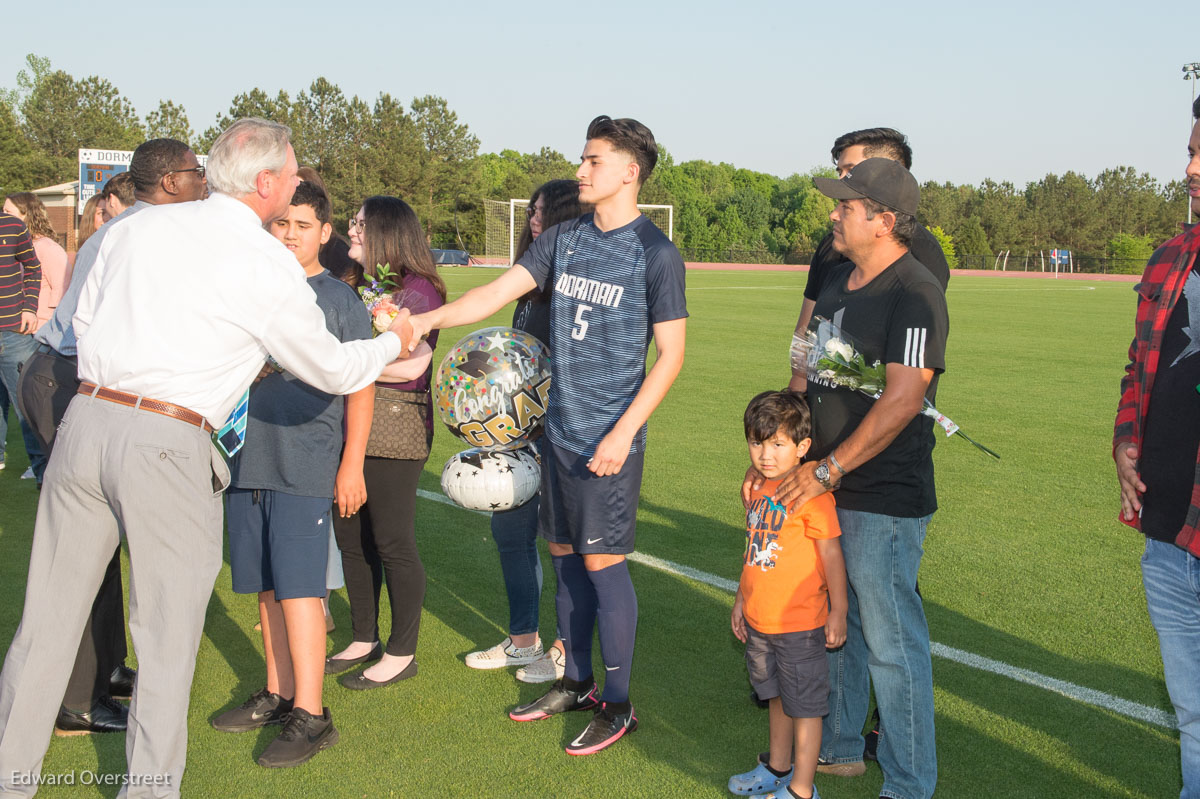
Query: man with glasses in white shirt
[(183, 305)]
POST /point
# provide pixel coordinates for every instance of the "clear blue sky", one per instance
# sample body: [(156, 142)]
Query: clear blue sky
[(1008, 91)]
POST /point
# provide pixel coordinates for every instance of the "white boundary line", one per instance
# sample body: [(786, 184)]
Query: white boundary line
[(1088, 696)]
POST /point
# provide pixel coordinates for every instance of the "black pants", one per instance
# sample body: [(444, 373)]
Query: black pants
[(48, 382), (379, 544)]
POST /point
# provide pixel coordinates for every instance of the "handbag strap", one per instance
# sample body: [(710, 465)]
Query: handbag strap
[(396, 395)]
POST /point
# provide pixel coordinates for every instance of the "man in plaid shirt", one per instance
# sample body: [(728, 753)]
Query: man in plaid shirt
[(1157, 450)]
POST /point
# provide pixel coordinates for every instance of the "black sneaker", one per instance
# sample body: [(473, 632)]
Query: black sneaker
[(557, 700), (604, 730), (258, 711), (302, 737)]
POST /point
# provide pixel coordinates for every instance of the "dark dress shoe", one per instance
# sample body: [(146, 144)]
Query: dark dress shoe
[(120, 682), (106, 715), (361, 682), (338, 665)]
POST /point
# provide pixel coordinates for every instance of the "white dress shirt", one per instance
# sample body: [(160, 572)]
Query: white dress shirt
[(185, 301)]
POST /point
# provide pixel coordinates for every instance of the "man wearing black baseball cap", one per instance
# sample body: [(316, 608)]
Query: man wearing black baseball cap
[(878, 455)]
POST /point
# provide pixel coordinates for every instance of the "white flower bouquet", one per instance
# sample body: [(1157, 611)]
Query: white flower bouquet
[(830, 357)]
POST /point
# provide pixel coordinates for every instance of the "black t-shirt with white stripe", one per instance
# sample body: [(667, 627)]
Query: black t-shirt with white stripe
[(899, 317)]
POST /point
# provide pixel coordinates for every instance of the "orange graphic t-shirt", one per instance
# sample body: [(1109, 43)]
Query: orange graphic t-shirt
[(783, 580)]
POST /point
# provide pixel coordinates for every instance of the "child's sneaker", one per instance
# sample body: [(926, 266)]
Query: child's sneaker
[(505, 654), (550, 666), (604, 730), (759, 781), (557, 700)]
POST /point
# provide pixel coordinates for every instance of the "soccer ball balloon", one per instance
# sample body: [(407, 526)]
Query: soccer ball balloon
[(491, 480), (492, 387)]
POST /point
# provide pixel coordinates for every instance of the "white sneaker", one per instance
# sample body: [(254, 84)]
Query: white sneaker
[(550, 667), (505, 654), (27, 474)]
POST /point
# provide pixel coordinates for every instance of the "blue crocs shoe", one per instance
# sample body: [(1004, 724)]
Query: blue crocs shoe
[(758, 781), (786, 793)]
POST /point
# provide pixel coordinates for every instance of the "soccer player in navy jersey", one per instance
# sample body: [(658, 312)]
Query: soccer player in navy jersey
[(616, 282)]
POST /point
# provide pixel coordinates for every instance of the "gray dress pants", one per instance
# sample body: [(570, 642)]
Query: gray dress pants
[(157, 480)]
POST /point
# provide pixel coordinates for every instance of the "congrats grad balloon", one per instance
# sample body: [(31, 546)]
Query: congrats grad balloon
[(492, 387)]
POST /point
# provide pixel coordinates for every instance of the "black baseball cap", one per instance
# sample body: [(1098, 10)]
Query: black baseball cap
[(883, 180)]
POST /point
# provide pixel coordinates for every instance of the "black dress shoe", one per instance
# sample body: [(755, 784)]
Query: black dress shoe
[(361, 682), (106, 715), (338, 665), (120, 682)]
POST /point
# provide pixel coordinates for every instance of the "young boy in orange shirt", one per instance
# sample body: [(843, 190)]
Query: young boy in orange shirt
[(791, 601)]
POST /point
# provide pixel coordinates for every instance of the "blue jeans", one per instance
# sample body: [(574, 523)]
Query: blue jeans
[(515, 533), (1171, 577), (15, 349), (887, 643)]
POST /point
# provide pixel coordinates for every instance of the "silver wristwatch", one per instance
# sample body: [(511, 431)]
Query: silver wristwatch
[(822, 475)]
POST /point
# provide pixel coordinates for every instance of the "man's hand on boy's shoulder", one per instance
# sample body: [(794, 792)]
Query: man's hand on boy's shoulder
[(799, 487)]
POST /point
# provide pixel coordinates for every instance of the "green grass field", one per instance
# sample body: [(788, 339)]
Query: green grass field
[(1025, 563)]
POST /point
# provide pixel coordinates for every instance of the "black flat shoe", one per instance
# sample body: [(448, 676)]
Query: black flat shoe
[(338, 665), (120, 682), (106, 715), (361, 682)]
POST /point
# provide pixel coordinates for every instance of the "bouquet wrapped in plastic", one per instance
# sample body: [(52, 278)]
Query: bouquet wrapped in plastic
[(827, 355)]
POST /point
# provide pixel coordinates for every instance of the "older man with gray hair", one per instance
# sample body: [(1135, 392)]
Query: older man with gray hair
[(182, 306)]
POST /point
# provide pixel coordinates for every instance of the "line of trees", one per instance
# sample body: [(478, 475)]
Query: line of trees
[(426, 155)]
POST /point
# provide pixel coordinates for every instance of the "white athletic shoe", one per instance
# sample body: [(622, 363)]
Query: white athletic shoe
[(505, 654), (28, 474), (550, 667)]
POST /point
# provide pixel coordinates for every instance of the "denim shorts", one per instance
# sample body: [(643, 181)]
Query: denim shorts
[(791, 666), (278, 542)]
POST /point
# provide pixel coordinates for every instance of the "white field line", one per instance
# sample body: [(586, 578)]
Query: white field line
[(1088, 696)]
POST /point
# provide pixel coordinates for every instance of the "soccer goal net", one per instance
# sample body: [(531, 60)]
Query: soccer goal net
[(506, 221)]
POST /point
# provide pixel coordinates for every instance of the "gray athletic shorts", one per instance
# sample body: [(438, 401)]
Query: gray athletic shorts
[(791, 666)]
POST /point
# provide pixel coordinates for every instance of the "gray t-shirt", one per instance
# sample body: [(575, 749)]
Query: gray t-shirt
[(294, 431)]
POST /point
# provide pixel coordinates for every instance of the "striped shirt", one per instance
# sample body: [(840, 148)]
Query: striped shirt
[(609, 289), (20, 273)]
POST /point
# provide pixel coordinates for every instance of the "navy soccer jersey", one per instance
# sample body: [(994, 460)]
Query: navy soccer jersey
[(610, 289)]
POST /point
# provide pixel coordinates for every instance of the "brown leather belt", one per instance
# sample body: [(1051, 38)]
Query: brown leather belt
[(152, 405)]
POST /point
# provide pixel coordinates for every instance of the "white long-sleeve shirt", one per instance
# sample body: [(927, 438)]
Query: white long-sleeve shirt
[(185, 301)]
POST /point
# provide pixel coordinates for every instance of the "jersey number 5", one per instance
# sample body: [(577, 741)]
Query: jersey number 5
[(581, 325)]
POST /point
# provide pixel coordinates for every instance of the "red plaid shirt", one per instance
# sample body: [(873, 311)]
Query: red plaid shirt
[(1161, 285)]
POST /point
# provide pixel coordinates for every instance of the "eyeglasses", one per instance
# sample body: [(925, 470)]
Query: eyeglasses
[(199, 170), (358, 225), (531, 211)]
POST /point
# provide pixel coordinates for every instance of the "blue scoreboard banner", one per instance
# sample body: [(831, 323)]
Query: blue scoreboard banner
[(96, 167)]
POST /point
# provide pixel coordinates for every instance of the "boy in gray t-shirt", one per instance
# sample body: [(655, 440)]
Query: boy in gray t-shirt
[(284, 483)]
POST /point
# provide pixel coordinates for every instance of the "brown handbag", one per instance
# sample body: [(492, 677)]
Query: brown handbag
[(398, 426)]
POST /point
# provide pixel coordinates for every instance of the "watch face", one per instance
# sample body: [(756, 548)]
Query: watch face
[(823, 472)]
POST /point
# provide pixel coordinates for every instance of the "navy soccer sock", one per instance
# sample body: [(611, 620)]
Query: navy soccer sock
[(617, 617), (575, 602)]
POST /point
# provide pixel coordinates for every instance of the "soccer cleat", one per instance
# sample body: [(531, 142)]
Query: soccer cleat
[(550, 666), (505, 654), (258, 711), (302, 737), (604, 730), (557, 700)]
